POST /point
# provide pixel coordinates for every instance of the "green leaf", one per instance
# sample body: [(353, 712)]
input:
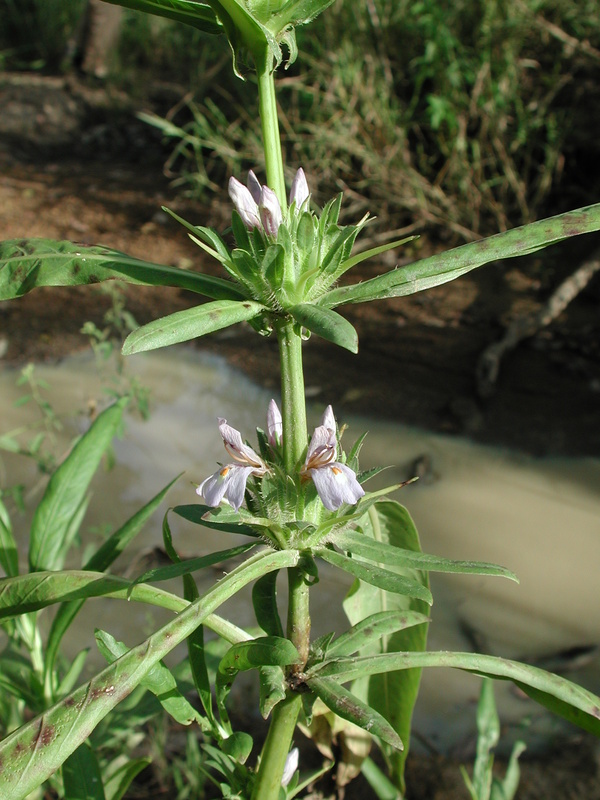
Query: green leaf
[(63, 727), (377, 576), (159, 680), (67, 488), (119, 782), (298, 12), (447, 266), (393, 694), (266, 651), (191, 565), (574, 703), (98, 562), (9, 557), (28, 263), (221, 519), (191, 12), (365, 547), (327, 324), (358, 258), (190, 324), (264, 600), (351, 708), (273, 689), (82, 778), (372, 629)]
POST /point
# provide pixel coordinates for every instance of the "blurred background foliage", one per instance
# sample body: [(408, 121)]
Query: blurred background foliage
[(460, 118)]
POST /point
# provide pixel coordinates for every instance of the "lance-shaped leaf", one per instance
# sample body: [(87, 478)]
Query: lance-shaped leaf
[(447, 266), (159, 680), (221, 518), (190, 324), (98, 562), (191, 565), (67, 488), (190, 12), (376, 575), (55, 734), (9, 557), (349, 707), (266, 651), (264, 600), (392, 694), (559, 695), (372, 629), (327, 324), (372, 550), (82, 778), (28, 263)]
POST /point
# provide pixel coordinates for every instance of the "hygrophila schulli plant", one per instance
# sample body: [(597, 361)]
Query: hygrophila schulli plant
[(298, 500)]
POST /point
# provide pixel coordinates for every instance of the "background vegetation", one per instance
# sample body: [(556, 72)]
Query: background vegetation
[(464, 118)]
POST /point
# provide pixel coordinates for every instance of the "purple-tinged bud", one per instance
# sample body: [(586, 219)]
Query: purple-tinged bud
[(299, 192), (245, 204), (254, 187), (274, 425), (270, 211)]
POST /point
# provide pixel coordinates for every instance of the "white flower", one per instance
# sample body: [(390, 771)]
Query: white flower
[(229, 482), (274, 425), (335, 483), (259, 207), (291, 765)]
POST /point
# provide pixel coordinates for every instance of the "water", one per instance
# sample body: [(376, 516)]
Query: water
[(539, 517)]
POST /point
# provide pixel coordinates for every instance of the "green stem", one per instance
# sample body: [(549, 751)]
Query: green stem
[(276, 749), (267, 108), (293, 409)]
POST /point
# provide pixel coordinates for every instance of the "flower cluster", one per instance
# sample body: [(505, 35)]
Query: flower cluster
[(258, 205), (335, 482)]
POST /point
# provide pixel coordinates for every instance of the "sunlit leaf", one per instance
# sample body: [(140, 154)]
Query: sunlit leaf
[(327, 324), (191, 12), (372, 629), (392, 694), (351, 708), (190, 323), (376, 575), (63, 727), (28, 263), (574, 703), (67, 488), (449, 265)]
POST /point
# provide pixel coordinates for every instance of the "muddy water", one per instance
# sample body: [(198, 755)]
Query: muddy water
[(541, 518)]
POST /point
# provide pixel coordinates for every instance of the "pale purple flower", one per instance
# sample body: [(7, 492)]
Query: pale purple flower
[(299, 192), (229, 482), (291, 765), (274, 424), (258, 205), (270, 211), (335, 482), (246, 205)]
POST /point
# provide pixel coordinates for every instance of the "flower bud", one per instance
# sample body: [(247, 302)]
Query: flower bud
[(245, 204), (299, 192), (270, 211)]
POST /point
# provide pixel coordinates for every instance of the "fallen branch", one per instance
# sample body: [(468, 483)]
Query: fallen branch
[(488, 365)]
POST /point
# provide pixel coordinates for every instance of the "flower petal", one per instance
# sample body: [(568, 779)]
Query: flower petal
[(227, 483), (299, 192), (328, 419), (245, 204), (322, 448), (239, 451), (291, 765), (336, 484), (270, 211), (254, 187), (274, 424)]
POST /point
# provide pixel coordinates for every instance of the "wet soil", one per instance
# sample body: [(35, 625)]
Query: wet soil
[(73, 168)]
